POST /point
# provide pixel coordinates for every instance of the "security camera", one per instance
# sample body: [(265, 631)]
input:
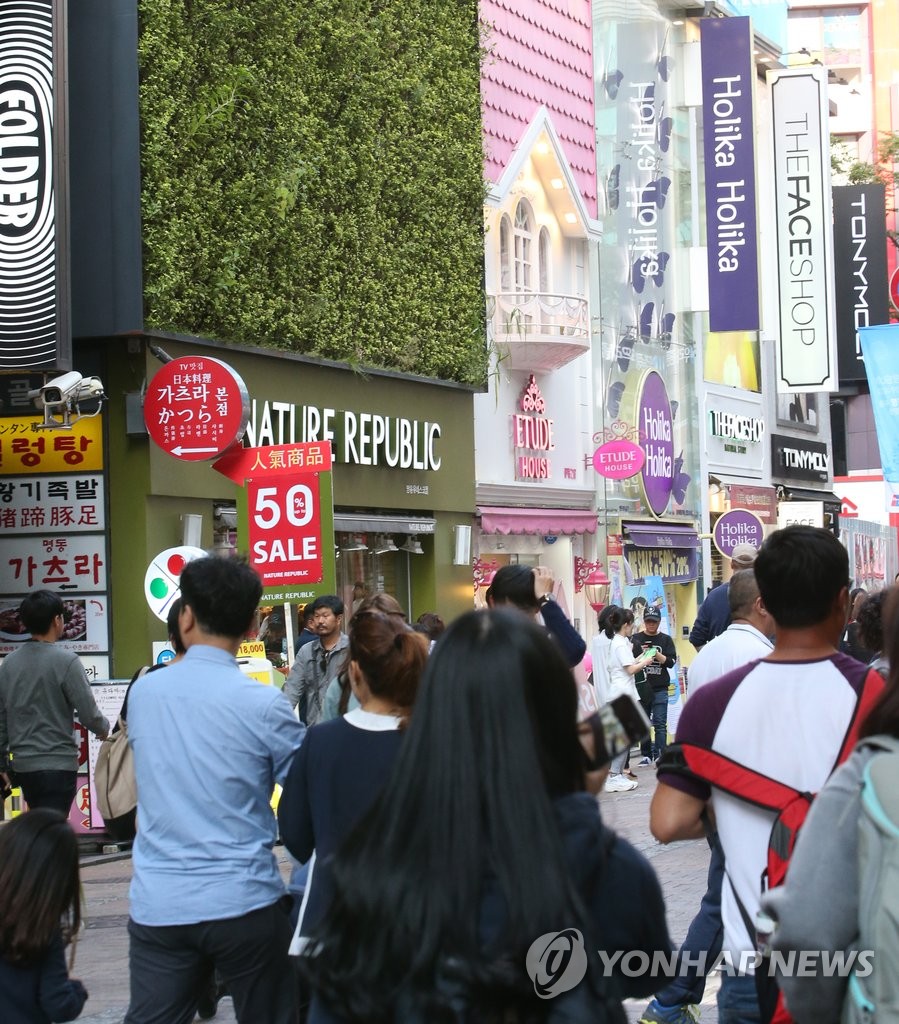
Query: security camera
[(61, 389), (60, 396), (90, 388)]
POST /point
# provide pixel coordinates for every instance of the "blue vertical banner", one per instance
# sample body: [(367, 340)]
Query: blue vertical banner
[(880, 349), (728, 81)]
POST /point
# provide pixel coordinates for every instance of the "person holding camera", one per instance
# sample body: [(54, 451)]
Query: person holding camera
[(658, 676)]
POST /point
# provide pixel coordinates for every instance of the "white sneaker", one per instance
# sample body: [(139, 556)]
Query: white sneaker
[(619, 784)]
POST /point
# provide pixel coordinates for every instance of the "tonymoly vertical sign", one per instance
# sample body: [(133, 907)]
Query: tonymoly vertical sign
[(34, 311), (860, 274), (730, 195), (807, 344)]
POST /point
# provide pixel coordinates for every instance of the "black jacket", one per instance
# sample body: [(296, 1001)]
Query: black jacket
[(41, 992), (657, 675), (621, 894)]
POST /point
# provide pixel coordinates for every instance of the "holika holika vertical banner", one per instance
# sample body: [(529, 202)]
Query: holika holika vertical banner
[(730, 194), (802, 200), (880, 346), (34, 273)]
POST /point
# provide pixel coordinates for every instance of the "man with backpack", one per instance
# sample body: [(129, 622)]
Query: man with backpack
[(752, 746)]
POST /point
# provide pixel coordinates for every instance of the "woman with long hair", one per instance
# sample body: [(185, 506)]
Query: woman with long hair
[(818, 906), (343, 764), (481, 848), (40, 914), (622, 666)]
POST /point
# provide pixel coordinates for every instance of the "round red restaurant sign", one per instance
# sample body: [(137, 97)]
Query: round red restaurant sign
[(618, 460), (196, 408)]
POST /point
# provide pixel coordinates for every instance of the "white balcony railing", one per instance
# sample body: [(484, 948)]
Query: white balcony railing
[(540, 330)]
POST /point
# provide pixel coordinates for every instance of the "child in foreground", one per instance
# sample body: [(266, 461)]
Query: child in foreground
[(40, 914)]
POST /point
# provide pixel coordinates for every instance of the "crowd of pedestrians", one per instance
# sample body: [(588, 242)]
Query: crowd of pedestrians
[(440, 801)]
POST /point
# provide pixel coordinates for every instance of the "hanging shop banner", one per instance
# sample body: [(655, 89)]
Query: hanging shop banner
[(880, 348), (656, 425), (196, 408), (52, 504), (674, 565), (728, 79), (286, 530), (807, 342), (738, 526), (24, 448), (34, 278), (290, 515), (860, 274), (762, 501)]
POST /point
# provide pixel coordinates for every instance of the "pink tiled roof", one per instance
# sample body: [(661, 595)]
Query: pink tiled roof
[(540, 53)]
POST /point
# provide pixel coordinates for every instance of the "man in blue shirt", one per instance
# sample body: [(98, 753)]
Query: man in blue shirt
[(713, 616), (209, 745)]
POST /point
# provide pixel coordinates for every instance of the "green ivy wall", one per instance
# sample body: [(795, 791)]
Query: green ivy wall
[(312, 178)]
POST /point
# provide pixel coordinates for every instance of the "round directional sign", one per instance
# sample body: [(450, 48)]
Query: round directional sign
[(196, 408), (894, 289), (162, 583)]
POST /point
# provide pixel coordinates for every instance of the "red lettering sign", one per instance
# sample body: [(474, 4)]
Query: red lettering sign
[(285, 529), (196, 408)]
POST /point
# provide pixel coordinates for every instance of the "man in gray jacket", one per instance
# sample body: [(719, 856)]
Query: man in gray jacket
[(42, 687), (320, 662)]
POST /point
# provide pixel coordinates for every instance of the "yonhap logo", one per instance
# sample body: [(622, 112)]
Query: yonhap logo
[(557, 962)]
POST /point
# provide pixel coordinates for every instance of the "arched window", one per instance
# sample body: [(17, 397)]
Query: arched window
[(524, 246), (505, 254), (544, 261)]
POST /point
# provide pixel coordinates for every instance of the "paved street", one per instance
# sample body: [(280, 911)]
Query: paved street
[(102, 954)]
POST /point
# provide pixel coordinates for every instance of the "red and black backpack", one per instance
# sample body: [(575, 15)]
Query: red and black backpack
[(790, 806)]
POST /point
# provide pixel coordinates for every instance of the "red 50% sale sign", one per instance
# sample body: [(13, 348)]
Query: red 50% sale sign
[(286, 529)]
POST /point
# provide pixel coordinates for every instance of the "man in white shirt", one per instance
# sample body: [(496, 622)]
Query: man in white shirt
[(745, 640), (749, 717)]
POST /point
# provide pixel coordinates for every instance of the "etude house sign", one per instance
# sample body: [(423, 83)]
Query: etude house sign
[(532, 435)]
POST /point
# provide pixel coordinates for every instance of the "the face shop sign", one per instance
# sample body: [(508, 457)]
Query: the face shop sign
[(795, 459), (734, 430)]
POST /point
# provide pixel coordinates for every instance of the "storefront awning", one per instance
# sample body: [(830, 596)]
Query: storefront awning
[(807, 494), (373, 523), (661, 535), (541, 521)]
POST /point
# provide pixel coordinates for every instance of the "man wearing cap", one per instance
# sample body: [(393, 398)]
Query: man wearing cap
[(658, 675), (713, 616)]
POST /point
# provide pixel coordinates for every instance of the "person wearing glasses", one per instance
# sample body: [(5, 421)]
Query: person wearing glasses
[(42, 686), (320, 662)]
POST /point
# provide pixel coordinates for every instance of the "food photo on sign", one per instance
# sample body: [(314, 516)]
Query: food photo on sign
[(75, 614), (85, 631)]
